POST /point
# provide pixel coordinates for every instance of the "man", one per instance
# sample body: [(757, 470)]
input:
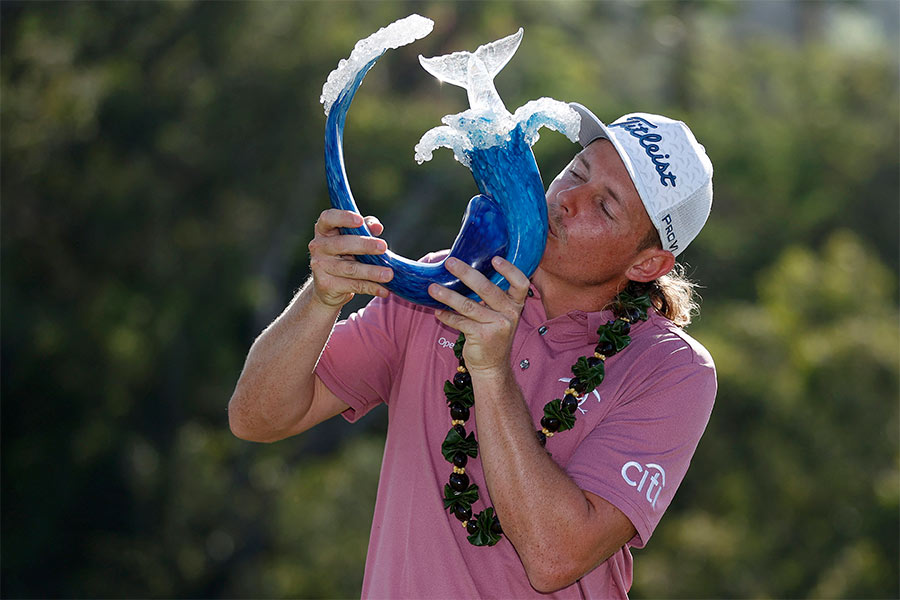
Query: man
[(636, 195)]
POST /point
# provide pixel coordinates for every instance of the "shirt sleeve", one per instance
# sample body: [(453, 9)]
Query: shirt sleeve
[(637, 456), (361, 359), (365, 352)]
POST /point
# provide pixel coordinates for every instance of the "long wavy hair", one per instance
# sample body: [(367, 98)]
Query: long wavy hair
[(673, 295)]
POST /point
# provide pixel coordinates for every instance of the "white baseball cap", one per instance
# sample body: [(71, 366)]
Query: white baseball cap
[(669, 168)]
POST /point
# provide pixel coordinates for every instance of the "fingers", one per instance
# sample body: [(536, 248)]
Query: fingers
[(494, 297), (490, 325), (337, 275), (454, 320), (346, 244), (352, 269), (374, 225), (518, 282), (465, 307), (329, 240), (333, 219)]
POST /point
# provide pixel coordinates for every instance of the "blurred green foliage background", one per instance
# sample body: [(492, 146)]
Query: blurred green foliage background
[(161, 173)]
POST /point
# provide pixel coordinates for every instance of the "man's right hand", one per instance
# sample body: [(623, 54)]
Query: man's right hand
[(337, 276)]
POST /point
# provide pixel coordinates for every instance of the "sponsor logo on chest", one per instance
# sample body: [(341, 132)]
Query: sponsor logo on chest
[(445, 343)]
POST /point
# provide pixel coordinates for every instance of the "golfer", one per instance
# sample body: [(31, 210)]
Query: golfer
[(526, 457)]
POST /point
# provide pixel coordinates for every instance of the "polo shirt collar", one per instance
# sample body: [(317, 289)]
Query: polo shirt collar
[(576, 323)]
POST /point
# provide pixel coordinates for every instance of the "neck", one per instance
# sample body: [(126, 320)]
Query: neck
[(560, 297)]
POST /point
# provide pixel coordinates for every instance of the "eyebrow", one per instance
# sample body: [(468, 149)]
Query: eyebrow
[(580, 158)]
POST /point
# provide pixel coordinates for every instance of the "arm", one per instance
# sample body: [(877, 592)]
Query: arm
[(560, 531), (278, 393)]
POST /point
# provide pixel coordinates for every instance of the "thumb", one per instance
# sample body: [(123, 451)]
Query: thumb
[(374, 225)]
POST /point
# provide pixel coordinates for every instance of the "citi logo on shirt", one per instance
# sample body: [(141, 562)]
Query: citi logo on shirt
[(650, 477)]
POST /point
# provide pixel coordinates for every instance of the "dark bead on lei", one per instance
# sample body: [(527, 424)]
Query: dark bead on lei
[(633, 313), (463, 513), (460, 459), (472, 527), (577, 385), (570, 403), (460, 430), (550, 423), (495, 526), (541, 438), (593, 361), (605, 348), (626, 327), (459, 412), (461, 380), (459, 481)]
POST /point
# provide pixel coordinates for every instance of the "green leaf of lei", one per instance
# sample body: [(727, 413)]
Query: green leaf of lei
[(454, 443), (466, 498), (554, 410), (614, 333), (591, 376), (465, 396), (458, 346), (484, 536), (625, 300)]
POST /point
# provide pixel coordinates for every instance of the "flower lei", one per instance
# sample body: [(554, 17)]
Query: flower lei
[(559, 415)]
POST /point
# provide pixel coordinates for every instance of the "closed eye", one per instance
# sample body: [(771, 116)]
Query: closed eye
[(605, 207), (576, 174)]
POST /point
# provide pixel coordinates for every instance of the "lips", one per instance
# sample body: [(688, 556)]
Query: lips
[(553, 224)]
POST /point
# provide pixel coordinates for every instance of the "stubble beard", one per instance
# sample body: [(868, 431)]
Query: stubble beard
[(555, 219)]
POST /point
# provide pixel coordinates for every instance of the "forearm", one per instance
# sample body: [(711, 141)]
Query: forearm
[(559, 531), (276, 387), (277, 393), (542, 511)]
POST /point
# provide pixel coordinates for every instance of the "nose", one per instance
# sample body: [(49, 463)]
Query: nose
[(568, 199)]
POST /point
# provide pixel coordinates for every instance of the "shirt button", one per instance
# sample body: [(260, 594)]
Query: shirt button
[(542, 330), (530, 292), (524, 364)]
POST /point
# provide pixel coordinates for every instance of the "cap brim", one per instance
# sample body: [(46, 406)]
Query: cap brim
[(592, 128)]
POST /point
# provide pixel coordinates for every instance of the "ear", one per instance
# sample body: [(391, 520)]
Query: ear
[(650, 264)]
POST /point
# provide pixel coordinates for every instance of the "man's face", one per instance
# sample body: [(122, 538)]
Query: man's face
[(597, 220)]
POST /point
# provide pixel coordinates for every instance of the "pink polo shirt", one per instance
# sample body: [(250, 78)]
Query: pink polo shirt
[(631, 445)]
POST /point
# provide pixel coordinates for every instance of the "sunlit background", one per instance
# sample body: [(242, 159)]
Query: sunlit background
[(161, 173)]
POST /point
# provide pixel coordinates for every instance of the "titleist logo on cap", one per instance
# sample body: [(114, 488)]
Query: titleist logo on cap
[(640, 129)]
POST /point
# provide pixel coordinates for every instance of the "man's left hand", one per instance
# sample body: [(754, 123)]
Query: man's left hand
[(489, 326)]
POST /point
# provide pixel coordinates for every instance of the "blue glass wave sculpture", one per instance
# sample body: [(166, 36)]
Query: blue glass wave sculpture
[(508, 217)]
